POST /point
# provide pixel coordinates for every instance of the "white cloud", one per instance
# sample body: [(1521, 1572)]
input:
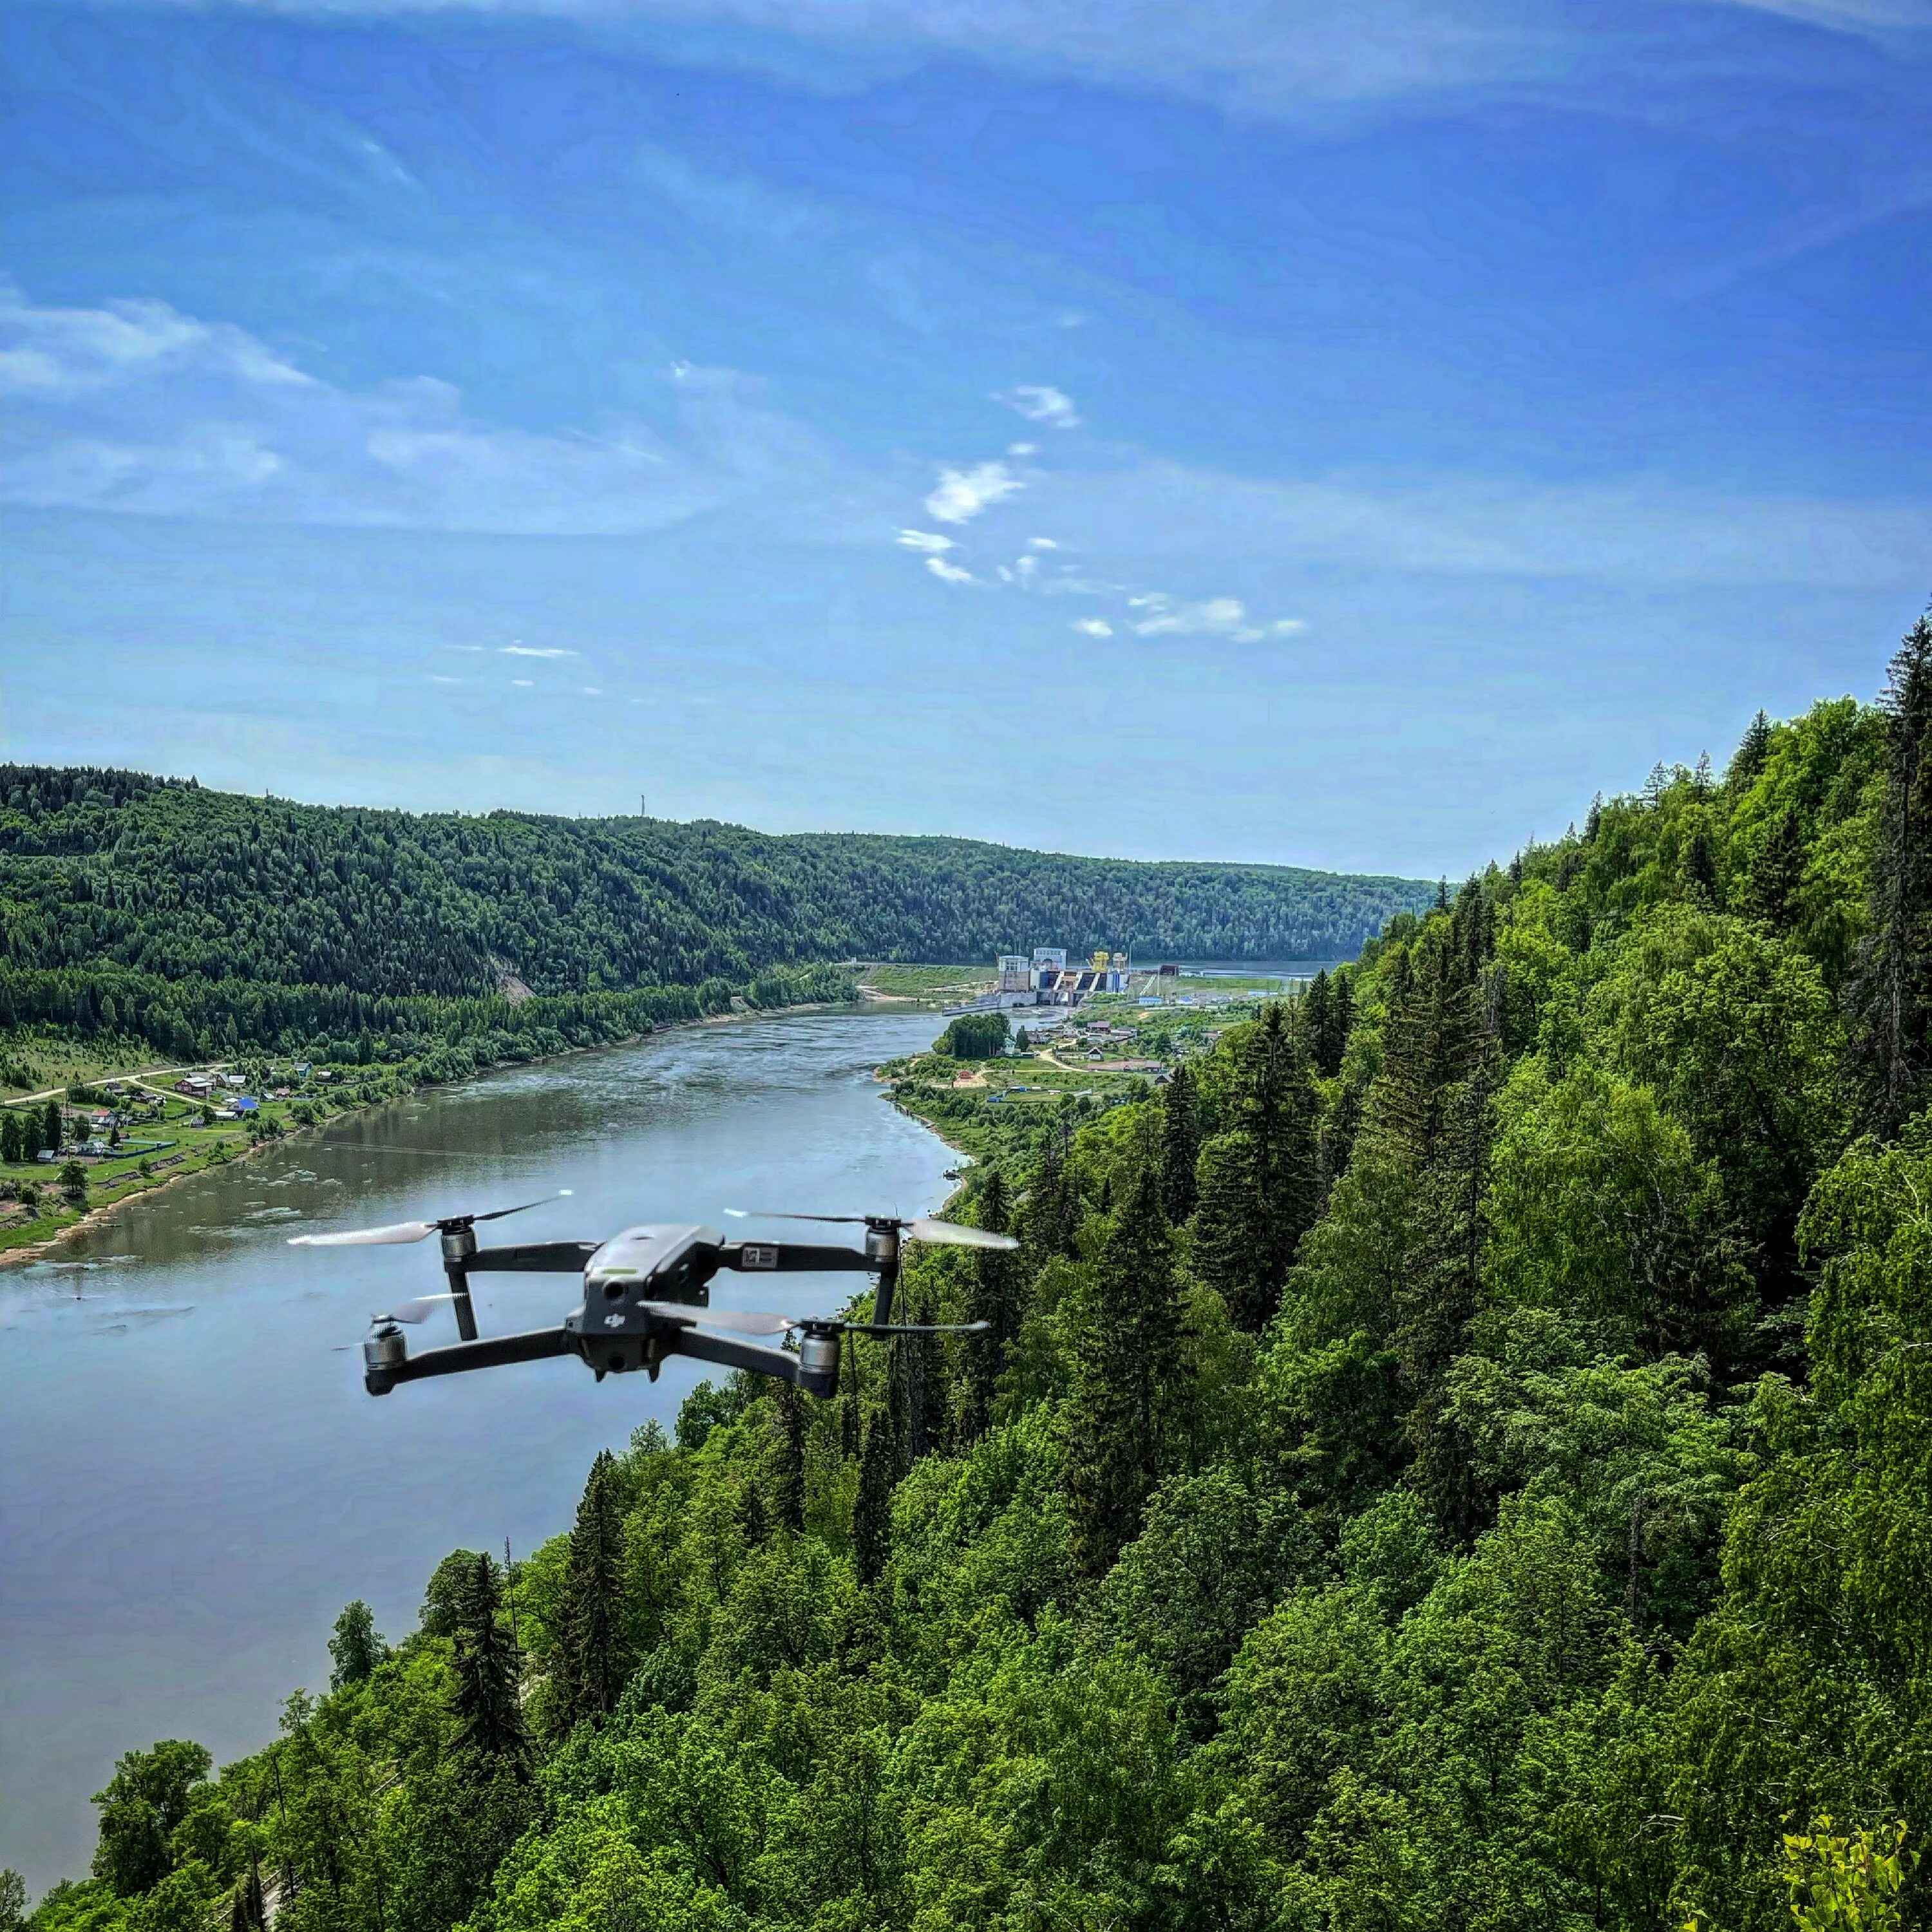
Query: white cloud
[(534, 651), (925, 540), (522, 683), (1213, 617), (69, 352), (591, 690), (1041, 404), (436, 677), (1094, 627), (948, 573), (137, 408), (1022, 449), (961, 494), (1041, 543)]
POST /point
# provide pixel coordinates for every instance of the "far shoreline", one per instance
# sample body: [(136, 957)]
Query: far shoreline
[(47, 1247)]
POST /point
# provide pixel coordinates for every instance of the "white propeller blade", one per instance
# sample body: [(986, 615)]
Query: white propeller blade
[(420, 1310), (366, 1237), (956, 1234)]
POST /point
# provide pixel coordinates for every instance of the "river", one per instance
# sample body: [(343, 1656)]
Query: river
[(193, 1482)]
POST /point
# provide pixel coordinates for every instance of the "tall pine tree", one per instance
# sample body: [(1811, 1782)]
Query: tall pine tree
[(489, 1733), (594, 1652), (1890, 994), (872, 1513), (1127, 1372), (788, 1470), (1180, 1142), (994, 1299)]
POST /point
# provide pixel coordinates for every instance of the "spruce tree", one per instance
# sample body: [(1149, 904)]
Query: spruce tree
[(356, 1648), (1770, 890), (788, 1475), (1747, 761), (594, 1651), (489, 1733), (994, 1299), (872, 1513), (1227, 1249), (1700, 866), (1890, 994), (1050, 1219), (1126, 1376), (1180, 1142), (1443, 1278)]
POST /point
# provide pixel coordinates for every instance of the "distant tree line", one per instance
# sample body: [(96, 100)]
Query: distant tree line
[(100, 869)]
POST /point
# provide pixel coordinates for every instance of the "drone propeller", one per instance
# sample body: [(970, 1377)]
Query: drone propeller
[(413, 1231), (935, 1234), (413, 1312)]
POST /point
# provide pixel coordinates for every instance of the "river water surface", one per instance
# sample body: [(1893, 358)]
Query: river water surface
[(193, 1482)]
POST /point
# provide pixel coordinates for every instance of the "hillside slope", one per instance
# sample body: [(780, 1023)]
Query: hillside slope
[(101, 867)]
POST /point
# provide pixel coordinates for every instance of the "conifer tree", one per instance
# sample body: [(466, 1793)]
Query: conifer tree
[(490, 1732), (1700, 866), (1770, 890), (994, 1299), (1747, 761), (1227, 1250), (872, 1513), (356, 1648), (1125, 1380), (1050, 1220), (1180, 1142), (1442, 1287), (788, 1477), (594, 1652), (1890, 994)]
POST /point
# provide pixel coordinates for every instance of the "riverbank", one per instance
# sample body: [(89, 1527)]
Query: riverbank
[(115, 1185)]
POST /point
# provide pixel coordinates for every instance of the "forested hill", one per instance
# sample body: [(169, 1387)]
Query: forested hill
[(1456, 1460), (170, 879)]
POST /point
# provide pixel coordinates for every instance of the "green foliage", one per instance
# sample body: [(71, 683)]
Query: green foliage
[(356, 1648), (1847, 1883), (974, 1036), (1458, 1458)]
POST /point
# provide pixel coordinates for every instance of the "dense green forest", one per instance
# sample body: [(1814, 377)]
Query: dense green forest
[(264, 918), (1458, 1455)]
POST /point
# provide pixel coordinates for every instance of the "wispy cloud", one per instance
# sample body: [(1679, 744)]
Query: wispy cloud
[(1040, 404), (925, 540), (536, 651), (948, 573), (1094, 627), (1041, 543), (136, 407), (1212, 616), (960, 495)]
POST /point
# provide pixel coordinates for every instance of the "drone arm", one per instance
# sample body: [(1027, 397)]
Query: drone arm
[(534, 1258), (791, 1258), (492, 1352), (748, 1355)]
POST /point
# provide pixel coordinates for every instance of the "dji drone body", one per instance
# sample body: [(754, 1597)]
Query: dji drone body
[(646, 1295)]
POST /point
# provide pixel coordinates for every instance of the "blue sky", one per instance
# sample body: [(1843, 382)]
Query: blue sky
[(1344, 436)]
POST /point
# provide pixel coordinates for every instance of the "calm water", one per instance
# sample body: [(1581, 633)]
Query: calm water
[(192, 1483)]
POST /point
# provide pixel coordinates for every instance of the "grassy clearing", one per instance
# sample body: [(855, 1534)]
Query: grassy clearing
[(928, 985), (35, 1058)]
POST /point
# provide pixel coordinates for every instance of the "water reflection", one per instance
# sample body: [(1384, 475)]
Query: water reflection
[(192, 1482)]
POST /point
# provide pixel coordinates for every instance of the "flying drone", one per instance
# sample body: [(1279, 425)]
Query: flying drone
[(647, 1296)]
